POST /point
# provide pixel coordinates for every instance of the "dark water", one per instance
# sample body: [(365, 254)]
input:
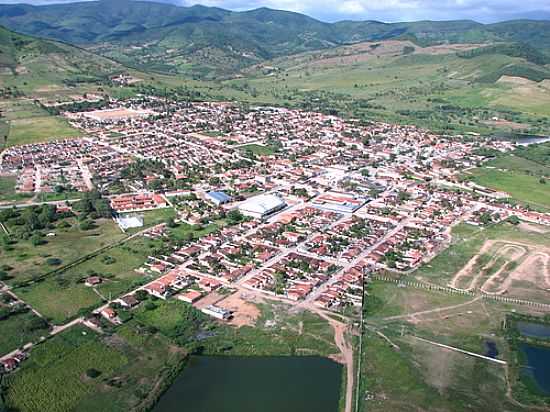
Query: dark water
[(255, 384), (538, 365), (491, 349), (534, 330)]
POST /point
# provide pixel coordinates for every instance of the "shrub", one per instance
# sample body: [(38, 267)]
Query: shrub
[(93, 373)]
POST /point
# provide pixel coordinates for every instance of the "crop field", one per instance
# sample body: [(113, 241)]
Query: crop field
[(69, 243), (55, 379), (18, 330), (153, 363)]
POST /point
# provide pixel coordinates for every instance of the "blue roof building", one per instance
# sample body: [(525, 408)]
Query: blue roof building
[(218, 198)]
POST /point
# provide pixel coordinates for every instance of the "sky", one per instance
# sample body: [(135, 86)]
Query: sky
[(485, 11)]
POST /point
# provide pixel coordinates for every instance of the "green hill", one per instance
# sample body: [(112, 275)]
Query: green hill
[(212, 42), (29, 62)]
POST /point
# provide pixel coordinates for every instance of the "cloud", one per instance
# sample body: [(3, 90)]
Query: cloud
[(384, 10)]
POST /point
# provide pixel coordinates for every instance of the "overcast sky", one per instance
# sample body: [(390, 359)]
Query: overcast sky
[(384, 10)]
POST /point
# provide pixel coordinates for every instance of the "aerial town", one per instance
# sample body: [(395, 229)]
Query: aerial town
[(318, 205)]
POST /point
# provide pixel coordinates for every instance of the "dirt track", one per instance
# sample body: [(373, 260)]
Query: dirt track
[(500, 282)]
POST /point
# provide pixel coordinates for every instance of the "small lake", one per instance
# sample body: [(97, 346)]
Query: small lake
[(533, 330), (491, 349), (253, 384), (538, 365)]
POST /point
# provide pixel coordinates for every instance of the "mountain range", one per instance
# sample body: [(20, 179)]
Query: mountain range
[(212, 42)]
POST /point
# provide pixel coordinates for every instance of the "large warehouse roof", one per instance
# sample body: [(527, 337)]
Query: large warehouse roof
[(262, 204)]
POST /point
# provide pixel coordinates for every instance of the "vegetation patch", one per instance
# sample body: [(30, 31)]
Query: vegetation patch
[(57, 380)]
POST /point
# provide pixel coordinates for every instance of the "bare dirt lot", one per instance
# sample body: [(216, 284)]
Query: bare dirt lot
[(245, 312), (507, 268)]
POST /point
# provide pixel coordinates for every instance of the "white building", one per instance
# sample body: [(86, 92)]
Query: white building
[(260, 207), (217, 312)]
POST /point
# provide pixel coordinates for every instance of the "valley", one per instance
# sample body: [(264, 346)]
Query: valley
[(187, 194)]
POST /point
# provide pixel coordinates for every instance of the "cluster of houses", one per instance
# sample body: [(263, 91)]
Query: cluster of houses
[(329, 202)]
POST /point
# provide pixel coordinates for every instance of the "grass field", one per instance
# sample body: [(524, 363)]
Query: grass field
[(519, 177), (68, 244), (17, 331), (259, 150), (62, 296), (7, 190), (440, 92), (276, 333), (54, 379), (154, 217), (39, 129), (421, 376), (427, 378)]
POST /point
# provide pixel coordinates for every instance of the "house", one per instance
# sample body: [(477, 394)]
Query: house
[(189, 296), (158, 290), (93, 281), (9, 365), (128, 301), (108, 313)]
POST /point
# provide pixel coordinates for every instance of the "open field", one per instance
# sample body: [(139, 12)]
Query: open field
[(506, 268), (7, 190), (18, 330), (133, 367), (520, 186), (64, 295), (69, 243), (402, 373), (472, 262)]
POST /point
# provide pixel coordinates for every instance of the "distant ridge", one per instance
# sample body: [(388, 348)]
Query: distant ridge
[(208, 40)]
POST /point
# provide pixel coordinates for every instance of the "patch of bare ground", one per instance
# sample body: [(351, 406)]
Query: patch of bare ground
[(464, 277), (245, 313), (510, 255), (210, 299), (528, 227), (516, 269)]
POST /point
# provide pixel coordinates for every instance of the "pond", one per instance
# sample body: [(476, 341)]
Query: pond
[(252, 384), (491, 349), (534, 330), (538, 365)]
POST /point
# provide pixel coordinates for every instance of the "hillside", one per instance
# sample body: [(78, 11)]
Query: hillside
[(212, 42), (28, 63)]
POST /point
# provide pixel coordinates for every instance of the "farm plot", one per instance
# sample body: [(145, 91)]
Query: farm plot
[(55, 378)]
